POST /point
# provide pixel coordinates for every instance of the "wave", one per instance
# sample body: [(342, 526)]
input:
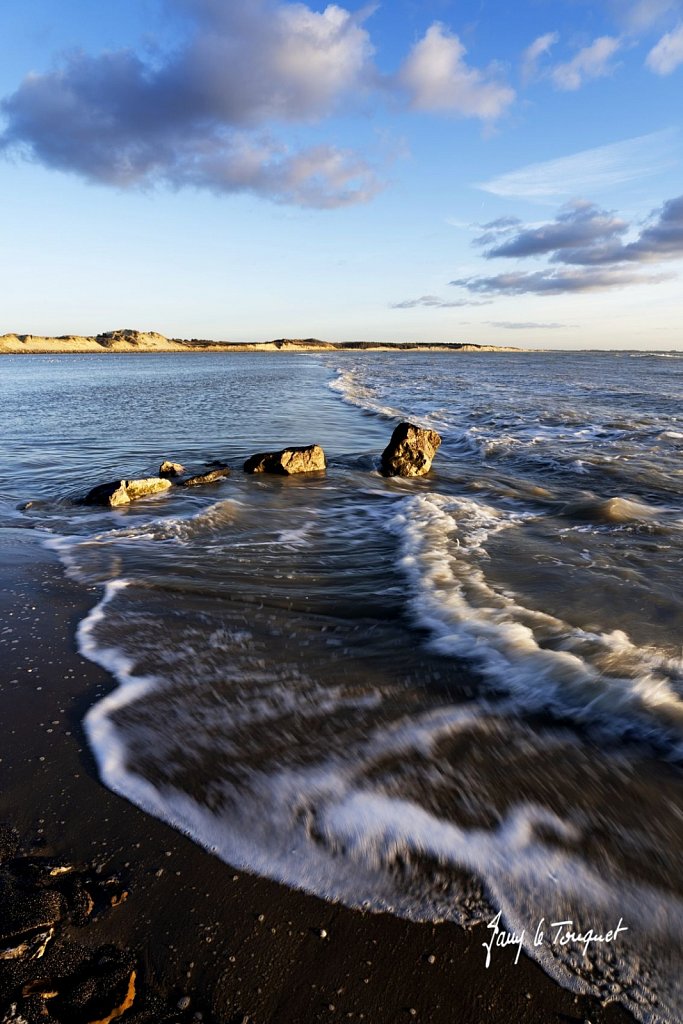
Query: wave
[(346, 827), (612, 511), (600, 679), (352, 390), (656, 355)]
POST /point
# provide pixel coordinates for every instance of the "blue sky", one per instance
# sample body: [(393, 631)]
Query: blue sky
[(444, 171)]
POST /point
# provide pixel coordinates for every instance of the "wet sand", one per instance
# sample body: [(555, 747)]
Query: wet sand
[(241, 947)]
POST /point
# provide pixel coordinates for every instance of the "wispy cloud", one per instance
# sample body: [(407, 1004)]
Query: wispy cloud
[(437, 78), (639, 15), (592, 170), (556, 282), (532, 55), (435, 302), (591, 62), (526, 325), (667, 55)]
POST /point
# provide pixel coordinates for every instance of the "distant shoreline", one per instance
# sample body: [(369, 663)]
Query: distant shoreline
[(128, 341)]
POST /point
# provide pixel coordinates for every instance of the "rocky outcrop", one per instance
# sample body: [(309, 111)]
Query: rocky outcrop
[(207, 478), (309, 459), (122, 492), (410, 451), (171, 469)]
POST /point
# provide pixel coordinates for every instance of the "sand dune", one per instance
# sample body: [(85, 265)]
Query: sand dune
[(150, 341)]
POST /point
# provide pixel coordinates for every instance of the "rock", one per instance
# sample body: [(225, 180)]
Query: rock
[(309, 459), (410, 451), (25, 910), (42, 988), (31, 947), (122, 492), (207, 478), (167, 469), (81, 903), (41, 871), (108, 990)]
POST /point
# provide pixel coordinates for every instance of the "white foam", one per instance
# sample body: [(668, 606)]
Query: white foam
[(594, 676), (331, 831), (353, 391), (359, 834)]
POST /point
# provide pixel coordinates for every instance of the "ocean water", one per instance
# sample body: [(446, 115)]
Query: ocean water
[(440, 697)]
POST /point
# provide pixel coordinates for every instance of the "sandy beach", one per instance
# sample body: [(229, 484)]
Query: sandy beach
[(240, 947)]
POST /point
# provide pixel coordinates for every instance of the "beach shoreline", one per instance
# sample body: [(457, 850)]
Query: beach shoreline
[(241, 947), (147, 342)]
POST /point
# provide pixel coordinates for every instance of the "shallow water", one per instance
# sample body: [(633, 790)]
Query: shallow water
[(441, 697)]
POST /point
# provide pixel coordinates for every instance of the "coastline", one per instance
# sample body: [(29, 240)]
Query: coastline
[(128, 341), (253, 948)]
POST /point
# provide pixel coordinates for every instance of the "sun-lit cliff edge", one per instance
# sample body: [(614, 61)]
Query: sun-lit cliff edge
[(149, 341)]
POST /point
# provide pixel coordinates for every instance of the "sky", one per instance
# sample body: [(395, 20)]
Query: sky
[(447, 170)]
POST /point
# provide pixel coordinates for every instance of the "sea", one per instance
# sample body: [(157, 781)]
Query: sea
[(439, 698)]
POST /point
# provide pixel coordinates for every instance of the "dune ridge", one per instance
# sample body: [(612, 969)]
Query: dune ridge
[(150, 341)]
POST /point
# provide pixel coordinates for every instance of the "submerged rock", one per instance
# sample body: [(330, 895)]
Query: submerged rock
[(207, 478), (122, 492), (170, 469), (309, 459), (410, 451)]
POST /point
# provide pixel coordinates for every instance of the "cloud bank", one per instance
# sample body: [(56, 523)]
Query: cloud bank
[(219, 112), (202, 116), (585, 248)]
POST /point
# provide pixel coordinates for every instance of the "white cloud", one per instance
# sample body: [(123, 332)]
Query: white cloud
[(586, 250), (591, 62), (639, 15), (436, 302), (667, 55), (208, 114), (592, 170), (263, 60), (557, 282), (438, 79), (539, 48)]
